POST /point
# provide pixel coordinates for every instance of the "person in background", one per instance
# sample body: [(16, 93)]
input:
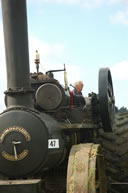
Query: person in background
[(78, 88)]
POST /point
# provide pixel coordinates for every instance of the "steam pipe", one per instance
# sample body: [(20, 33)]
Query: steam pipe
[(16, 49)]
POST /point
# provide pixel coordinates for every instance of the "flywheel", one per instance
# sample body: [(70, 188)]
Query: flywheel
[(86, 173), (106, 99)]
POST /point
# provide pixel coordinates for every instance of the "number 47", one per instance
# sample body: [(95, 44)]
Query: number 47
[(53, 143)]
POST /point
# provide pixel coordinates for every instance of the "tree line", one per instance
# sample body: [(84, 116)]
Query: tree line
[(121, 110)]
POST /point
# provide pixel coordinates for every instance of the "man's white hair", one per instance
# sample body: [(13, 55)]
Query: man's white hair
[(77, 83)]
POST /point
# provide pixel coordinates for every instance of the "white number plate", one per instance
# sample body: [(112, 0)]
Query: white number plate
[(53, 143)]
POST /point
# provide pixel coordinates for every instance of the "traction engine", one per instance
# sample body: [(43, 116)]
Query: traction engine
[(48, 137)]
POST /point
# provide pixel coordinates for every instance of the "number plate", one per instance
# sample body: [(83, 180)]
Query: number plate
[(53, 143)]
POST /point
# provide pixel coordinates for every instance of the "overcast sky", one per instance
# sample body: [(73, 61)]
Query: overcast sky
[(85, 35)]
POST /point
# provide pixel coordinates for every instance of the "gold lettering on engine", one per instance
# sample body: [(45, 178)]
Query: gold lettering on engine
[(15, 143), (15, 128), (12, 157)]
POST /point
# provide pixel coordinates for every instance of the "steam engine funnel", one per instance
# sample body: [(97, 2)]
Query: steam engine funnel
[(17, 57)]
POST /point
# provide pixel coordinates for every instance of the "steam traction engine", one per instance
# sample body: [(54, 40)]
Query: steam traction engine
[(48, 137)]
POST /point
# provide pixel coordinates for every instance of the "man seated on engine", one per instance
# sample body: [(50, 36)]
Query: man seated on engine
[(77, 98), (78, 88)]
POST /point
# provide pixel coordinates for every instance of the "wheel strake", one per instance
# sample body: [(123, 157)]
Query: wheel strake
[(115, 147)]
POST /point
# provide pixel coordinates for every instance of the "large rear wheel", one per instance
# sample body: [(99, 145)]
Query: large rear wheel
[(116, 154)]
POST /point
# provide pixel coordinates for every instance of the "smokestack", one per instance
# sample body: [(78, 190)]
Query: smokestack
[(19, 91)]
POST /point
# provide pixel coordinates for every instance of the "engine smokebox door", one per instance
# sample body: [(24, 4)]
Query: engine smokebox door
[(23, 143)]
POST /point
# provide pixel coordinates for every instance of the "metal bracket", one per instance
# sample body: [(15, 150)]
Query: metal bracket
[(20, 186)]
